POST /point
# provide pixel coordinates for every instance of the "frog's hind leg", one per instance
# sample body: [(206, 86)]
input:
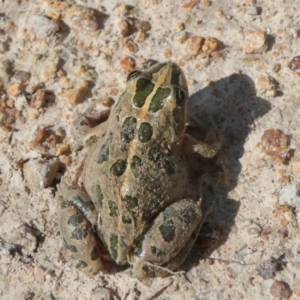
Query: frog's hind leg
[(179, 259), (169, 240), (95, 132), (76, 216)]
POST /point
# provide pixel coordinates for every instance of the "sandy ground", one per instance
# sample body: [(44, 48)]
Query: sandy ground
[(59, 59)]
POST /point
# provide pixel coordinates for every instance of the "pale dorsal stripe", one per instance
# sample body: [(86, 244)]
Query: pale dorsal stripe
[(143, 111)]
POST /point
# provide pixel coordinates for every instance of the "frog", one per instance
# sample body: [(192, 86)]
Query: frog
[(134, 208)]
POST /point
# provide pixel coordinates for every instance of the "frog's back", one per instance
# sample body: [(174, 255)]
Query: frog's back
[(136, 169)]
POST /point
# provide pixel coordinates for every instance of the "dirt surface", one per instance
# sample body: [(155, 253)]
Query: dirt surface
[(59, 59)]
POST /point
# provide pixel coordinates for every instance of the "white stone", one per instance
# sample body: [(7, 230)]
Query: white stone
[(289, 195)]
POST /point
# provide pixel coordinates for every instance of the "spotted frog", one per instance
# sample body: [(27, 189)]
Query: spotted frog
[(135, 203)]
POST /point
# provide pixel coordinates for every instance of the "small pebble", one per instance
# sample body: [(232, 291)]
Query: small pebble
[(246, 251), (210, 45), (45, 140), (294, 65), (22, 76), (219, 14), (168, 53), (280, 289), (206, 3), (265, 84), (127, 63), (140, 36), (181, 37), (121, 10), (38, 99), (290, 195), (21, 102), (40, 173), (142, 25), (82, 18), (194, 44), (101, 293), (275, 144), (75, 96), (274, 138), (217, 54), (39, 274), (131, 46), (33, 114), (41, 26), (190, 81), (179, 26), (48, 69), (122, 27), (255, 42), (10, 103), (53, 15), (283, 177), (113, 91), (14, 90), (190, 4), (61, 148), (276, 239), (251, 10)]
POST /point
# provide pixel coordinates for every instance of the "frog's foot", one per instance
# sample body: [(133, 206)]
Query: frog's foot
[(213, 138), (170, 239), (77, 212), (146, 271), (208, 148)]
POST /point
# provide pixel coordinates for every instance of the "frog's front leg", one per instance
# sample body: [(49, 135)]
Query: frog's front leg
[(84, 128), (76, 216), (213, 137), (169, 240)]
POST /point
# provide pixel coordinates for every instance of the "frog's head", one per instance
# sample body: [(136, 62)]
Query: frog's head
[(161, 91)]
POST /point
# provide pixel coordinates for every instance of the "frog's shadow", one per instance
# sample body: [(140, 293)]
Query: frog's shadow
[(234, 107)]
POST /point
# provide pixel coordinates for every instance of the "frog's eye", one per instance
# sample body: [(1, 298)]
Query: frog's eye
[(134, 74), (180, 96)]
